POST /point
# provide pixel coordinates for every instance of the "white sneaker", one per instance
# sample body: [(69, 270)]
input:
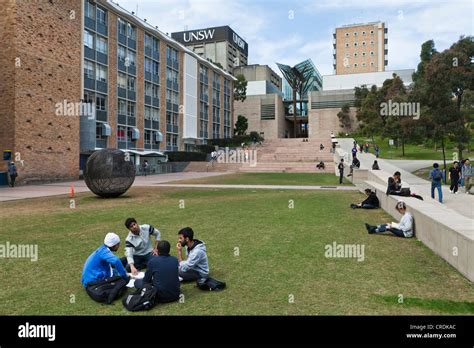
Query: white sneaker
[(450, 191), (180, 279)]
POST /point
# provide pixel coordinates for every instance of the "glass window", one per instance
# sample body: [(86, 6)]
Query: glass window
[(355, 33), (121, 133), (89, 69), (130, 108), (131, 83), (147, 113), (156, 45), (122, 26), (148, 41), (156, 68), (363, 43), (371, 53), (131, 57), (101, 73), (101, 45), (363, 33), (148, 65), (88, 97), (156, 91), (122, 107), (148, 89), (100, 103), (131, 31), (89, 39), (89, 9), (122, 80), (101, 16), (121, 53), (355, 44), (155, 114)]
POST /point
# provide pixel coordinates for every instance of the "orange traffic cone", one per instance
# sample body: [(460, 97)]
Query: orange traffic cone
[(71, 192)]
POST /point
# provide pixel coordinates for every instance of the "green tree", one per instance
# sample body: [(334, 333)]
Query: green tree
[(240, 88), (344, 116), (241, 125)]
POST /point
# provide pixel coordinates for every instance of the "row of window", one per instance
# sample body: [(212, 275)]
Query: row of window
[(95, 71), (356, 65), (363, 54), (91, 11), (364, 33), (363, 44), (127, 29), (94, 42)]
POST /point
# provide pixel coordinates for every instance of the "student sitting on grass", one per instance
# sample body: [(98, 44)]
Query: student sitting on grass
[(162, 273), (103, 267), (403, 229), (138, 248), (196, 266), (371, 202)]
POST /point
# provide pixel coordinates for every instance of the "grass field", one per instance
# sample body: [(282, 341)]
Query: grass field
[(412, 151), (281, 255), (306, 179)]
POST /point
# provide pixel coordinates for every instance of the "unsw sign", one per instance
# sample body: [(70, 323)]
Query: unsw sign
[(211, 35)]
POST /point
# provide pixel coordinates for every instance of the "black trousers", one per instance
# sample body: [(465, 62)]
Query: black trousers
[(454, 184), (341, 175), (12, 180)]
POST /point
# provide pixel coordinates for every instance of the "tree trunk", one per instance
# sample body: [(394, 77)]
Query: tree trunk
[(444, 157), (294, 113), (403, 147)]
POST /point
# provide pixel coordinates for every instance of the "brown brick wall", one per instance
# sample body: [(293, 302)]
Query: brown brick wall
[(48, 43), (7, 75)]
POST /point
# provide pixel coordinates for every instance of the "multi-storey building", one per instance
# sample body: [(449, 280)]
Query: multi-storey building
[(143, 91), (360, 48), (218, 44)]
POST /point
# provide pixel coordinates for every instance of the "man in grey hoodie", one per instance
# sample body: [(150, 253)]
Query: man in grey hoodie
[(196, 266)]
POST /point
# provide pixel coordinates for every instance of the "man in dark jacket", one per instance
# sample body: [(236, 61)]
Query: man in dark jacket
[(341, 170), (162, 273), (371, 202)]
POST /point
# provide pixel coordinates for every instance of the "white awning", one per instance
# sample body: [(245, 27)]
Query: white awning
[(145, 153), (106, 130)]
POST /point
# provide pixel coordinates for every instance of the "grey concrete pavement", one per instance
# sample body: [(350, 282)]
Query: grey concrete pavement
[(63, 188), (461, 203), (412, 165), (270, 187)]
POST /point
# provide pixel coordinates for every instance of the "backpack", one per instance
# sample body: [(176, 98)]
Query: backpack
[(437, 176), (210, 284), (107, 290), (141, 300)]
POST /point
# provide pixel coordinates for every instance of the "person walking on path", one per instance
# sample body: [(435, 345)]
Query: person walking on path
[(436, 176), (13, 173), (341, 170), (468, 173), (454, 174), (377, 151)]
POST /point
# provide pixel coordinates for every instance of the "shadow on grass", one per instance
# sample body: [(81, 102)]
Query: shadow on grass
[(443, 306)]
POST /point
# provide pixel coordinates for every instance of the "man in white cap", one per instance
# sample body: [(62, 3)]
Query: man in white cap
[(102, 266)]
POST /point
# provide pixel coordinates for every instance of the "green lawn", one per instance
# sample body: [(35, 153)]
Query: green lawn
[(412, 151), (281, 255), (307, 179)]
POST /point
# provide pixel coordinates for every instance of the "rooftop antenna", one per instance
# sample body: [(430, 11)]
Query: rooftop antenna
[(136, 10)]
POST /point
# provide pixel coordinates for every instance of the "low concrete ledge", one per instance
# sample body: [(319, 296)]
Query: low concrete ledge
[(446, 232)]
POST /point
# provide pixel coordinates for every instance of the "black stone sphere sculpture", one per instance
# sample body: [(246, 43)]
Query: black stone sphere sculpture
[(108, 174)]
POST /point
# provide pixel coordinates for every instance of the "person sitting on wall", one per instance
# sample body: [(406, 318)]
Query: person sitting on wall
[(375, 166), (355, 164), (394, 187), (320, 165), (371, 202), (403, 229)]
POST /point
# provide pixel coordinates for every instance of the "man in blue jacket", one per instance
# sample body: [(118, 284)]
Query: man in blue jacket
[(436, 176), (196, 266), (162, 273), (103, 264)]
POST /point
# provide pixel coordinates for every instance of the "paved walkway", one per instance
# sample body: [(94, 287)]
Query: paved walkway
[(412, 165), (271, 187), (61, 188), (462, 202)]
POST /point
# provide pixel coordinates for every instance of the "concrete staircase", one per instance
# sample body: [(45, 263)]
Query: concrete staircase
[(292, 156)]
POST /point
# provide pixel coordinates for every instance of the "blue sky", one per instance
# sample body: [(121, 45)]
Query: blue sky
[(291, 31)]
